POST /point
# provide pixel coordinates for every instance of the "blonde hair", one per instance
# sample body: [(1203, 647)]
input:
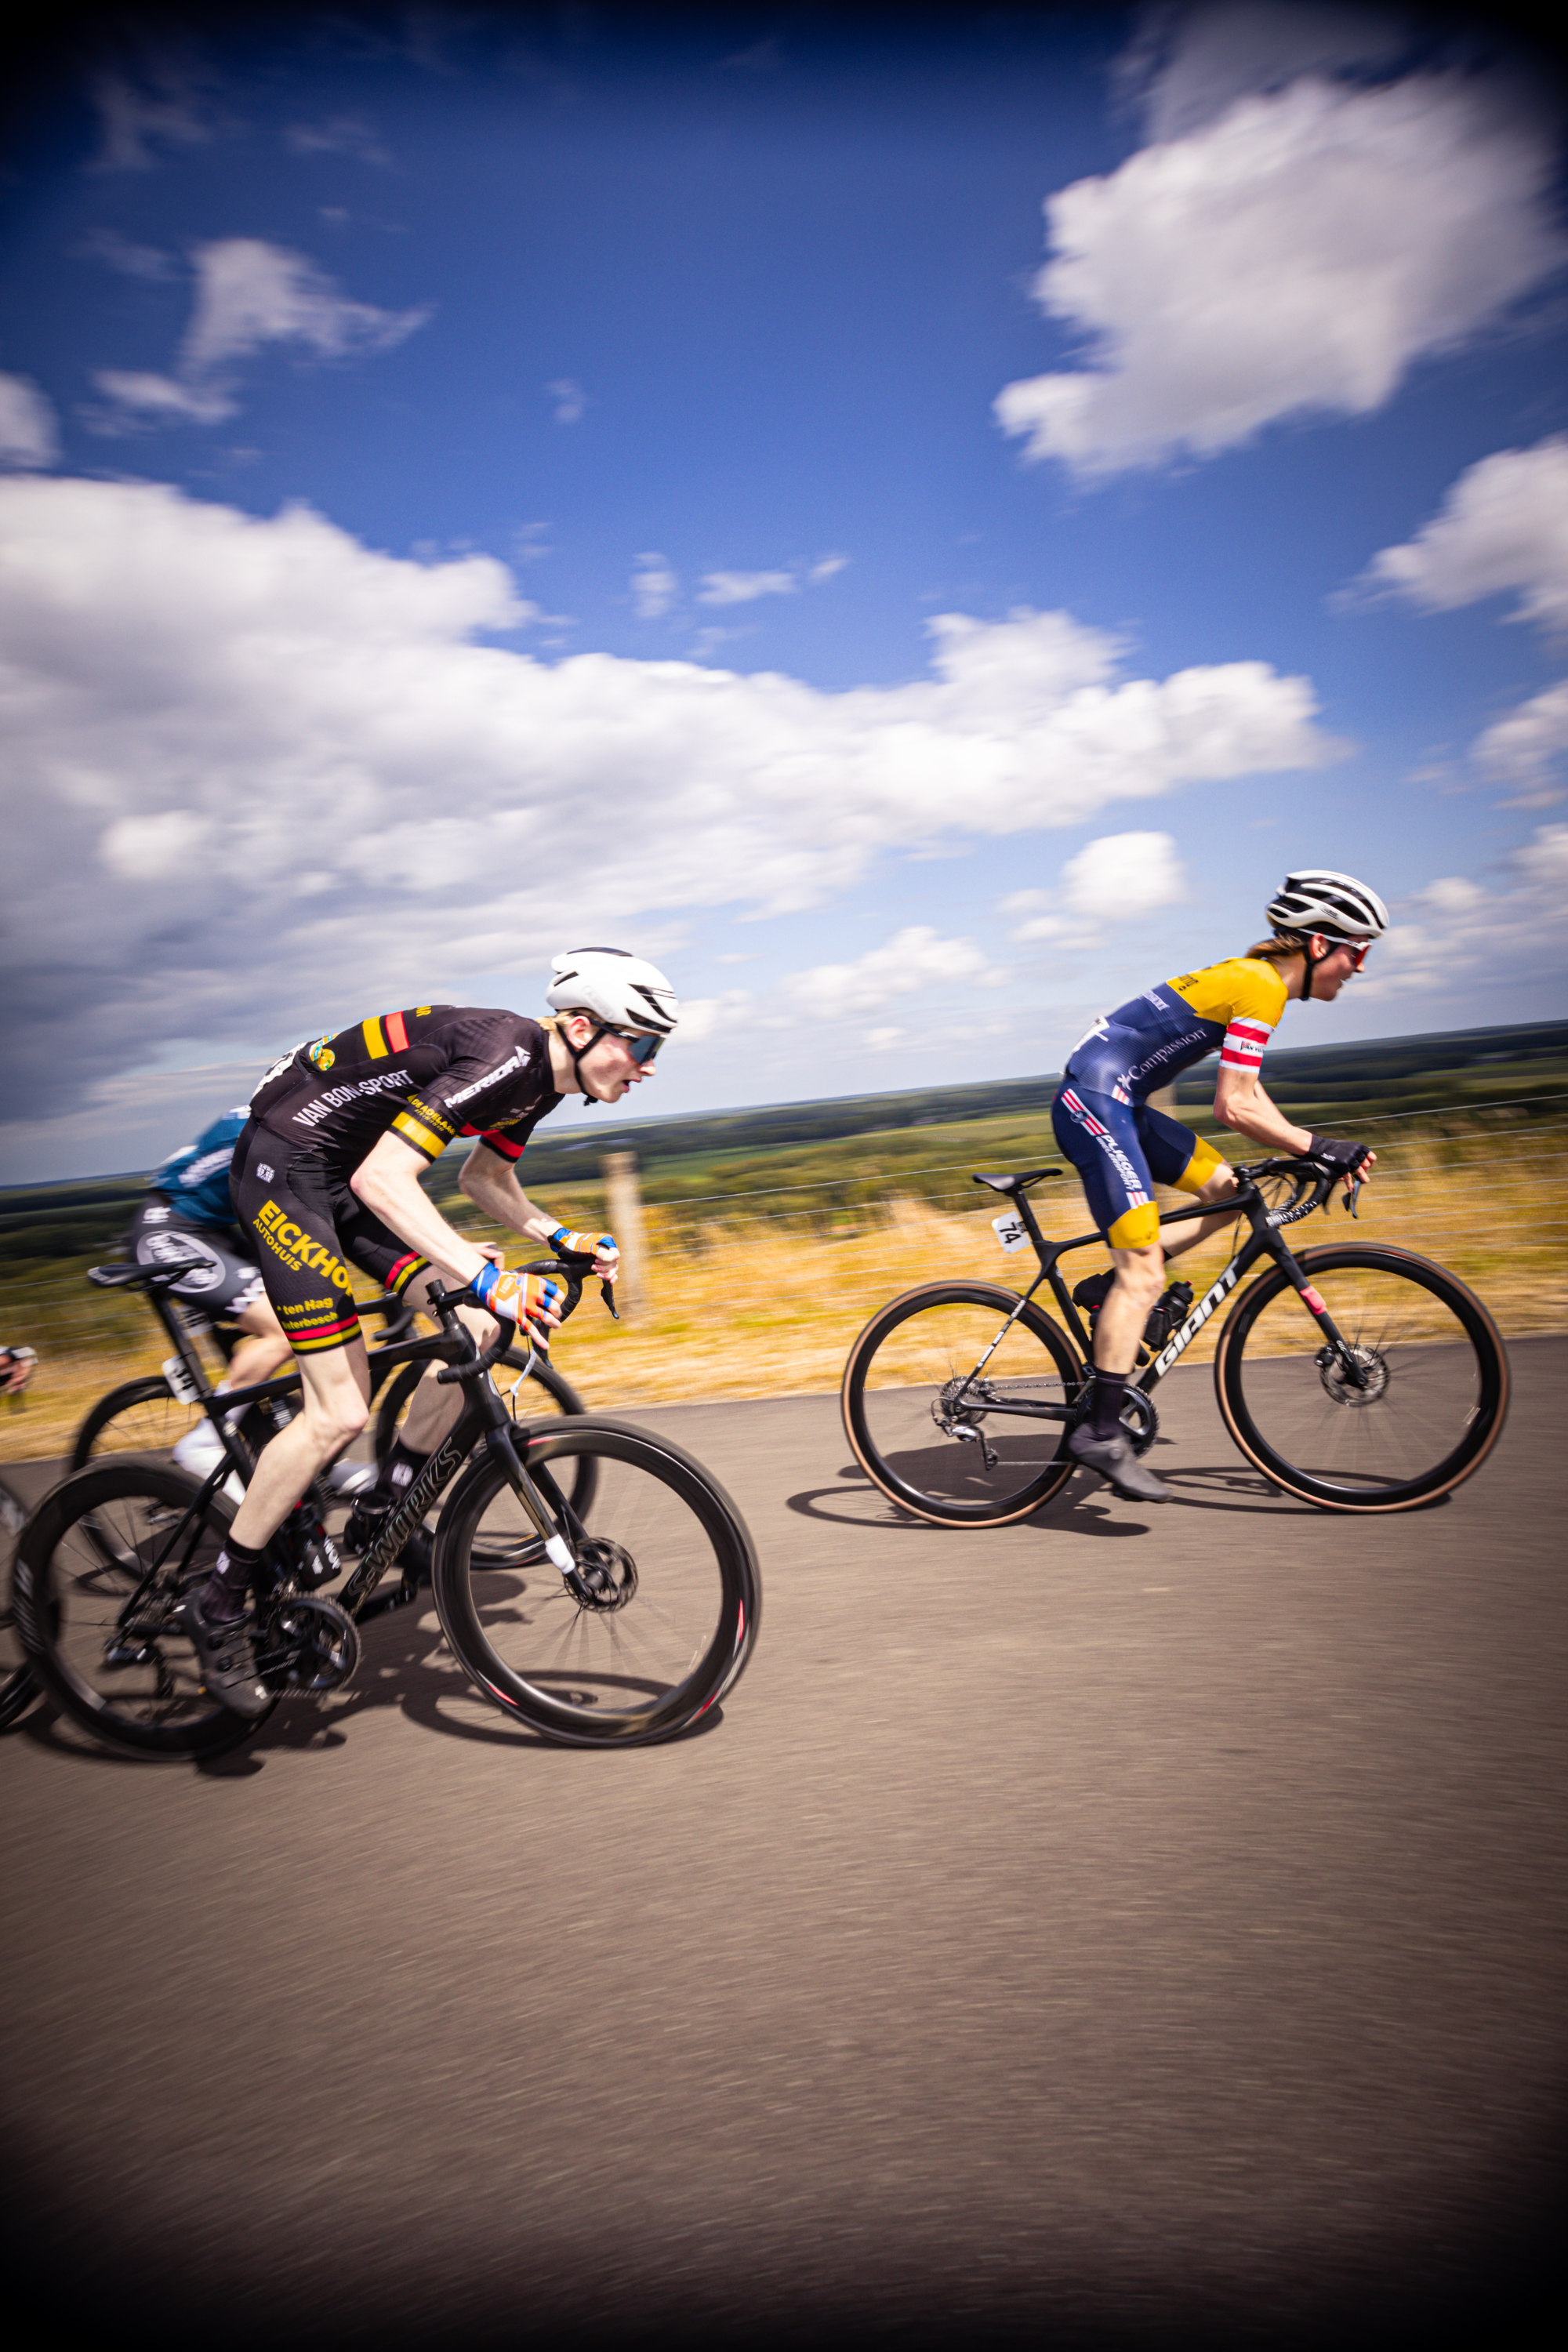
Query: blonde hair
[(1278, 949)]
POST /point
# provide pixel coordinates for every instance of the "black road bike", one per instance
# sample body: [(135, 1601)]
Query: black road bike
[(595, 1583), (1357, 1376)]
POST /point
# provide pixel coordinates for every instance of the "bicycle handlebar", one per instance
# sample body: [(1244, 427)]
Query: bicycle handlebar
[(1313, 1182), (444, 1305)]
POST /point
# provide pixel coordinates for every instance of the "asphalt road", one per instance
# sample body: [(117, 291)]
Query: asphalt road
[(1131, 1929)]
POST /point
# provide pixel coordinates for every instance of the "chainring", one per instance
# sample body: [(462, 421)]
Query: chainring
[(1138, 1418), (311, 1646)]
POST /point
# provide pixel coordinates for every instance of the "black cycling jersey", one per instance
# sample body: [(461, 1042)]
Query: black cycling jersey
[(424, 1076)]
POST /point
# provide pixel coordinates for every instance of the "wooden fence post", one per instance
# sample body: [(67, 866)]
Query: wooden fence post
[(623, 1218)]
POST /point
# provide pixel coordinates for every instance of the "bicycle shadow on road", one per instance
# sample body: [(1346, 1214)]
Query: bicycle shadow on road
[(1075, 1511)]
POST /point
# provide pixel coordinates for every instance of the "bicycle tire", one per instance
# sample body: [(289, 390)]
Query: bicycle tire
[(80, 1558), (1437, 1380), (889, 1415), (18, 1684), (400, 1389), (618, 1677), (142, 1416)]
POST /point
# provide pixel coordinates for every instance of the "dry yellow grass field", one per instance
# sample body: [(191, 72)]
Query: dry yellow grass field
[(765, 1305)]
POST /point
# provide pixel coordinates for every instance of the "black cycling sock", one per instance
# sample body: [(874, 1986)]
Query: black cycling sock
[(225, 1589), (398, 1471), (1109, 1388)]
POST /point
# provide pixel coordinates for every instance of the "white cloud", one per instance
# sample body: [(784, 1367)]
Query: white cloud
[(1190, 65), (654, 586), (1522, 749), (163, 398), (203, 707), (1115, 879), (122, 253), (167, 110), (1299, 252), (339, 134), (1503, 525), (28, 433), (249, 294), (914, 959), (702, 1017), (744, 587), (1459, 928), (570, 399)]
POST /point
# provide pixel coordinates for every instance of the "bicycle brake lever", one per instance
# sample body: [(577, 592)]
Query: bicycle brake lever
[(607, 1293), (1352, 1196)]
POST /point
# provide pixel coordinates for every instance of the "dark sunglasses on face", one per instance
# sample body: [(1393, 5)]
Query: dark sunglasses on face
[(640, 1046)]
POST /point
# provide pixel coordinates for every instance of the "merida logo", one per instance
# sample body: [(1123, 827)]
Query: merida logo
[(517, 1061)]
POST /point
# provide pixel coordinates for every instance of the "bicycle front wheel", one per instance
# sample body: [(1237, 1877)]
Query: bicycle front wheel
[(139, 1417), (958, 1407), (1426, 1410), (676, 1592), (99, 1567)]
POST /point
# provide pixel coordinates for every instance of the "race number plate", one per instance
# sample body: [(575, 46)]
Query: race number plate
[(177, 1372), (1010, 1231)]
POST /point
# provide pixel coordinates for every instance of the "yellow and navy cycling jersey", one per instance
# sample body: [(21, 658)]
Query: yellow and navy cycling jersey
[(425, 1074), (1235, 1005), (1102, 1120)]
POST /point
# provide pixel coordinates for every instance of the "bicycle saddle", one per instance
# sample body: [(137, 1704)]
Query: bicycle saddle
[(1015, 1183)]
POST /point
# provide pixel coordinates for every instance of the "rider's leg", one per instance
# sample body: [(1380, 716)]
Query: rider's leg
[(264, 1349), (434, 1409), (1206, 1176), (335, 1408)]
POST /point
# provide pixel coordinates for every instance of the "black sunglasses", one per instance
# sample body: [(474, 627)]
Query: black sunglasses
[(641, 1046)]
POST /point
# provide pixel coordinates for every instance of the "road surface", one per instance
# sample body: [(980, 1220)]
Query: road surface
[(1128, 1928)]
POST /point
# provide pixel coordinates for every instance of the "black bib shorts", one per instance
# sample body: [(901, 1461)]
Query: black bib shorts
[(307, 1228)]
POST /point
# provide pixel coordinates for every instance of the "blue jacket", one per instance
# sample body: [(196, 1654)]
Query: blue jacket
[(196, 1179)]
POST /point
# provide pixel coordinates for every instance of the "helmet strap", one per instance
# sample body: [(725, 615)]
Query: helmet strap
[(577, 1052)]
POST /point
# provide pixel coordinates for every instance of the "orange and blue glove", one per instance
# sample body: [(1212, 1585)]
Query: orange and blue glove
[(601, 1247), (534, 1299)]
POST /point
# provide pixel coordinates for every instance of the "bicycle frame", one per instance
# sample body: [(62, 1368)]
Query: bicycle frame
[(1263, 1241)]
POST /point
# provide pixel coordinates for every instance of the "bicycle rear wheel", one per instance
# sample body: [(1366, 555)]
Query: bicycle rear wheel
[(1435, 1383), (678, 1592), (99, 1567), (919, 1375)]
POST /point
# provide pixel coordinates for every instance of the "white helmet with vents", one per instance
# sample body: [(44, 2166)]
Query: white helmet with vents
[(622, 989), (1337, 905)]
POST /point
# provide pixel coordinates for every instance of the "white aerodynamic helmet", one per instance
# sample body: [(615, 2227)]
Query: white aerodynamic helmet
[(1337, 905), (624, 991)]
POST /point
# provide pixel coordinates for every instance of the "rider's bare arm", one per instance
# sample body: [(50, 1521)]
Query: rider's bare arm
[(387, 1181), (1240, 1102), (490, 1183)]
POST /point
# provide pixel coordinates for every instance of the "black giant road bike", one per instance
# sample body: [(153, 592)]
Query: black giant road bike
[(1357, 1376), (595, 1582)]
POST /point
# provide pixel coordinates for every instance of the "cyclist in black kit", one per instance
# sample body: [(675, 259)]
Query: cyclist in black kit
[(327, 1175)]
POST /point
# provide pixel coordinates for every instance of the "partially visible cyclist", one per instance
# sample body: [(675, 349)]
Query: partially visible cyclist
[(327, 1174), (188, 1218), (17, 1366), (1323, 924)]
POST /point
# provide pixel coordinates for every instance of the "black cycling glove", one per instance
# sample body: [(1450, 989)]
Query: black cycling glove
[(1334, 1153)]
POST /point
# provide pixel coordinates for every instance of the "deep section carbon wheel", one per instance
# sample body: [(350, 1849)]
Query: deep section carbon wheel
[(958, 1406), (1422, 1409), (100, 1568), (661, 1616)]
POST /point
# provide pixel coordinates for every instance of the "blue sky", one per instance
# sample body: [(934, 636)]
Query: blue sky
[(917, 531)]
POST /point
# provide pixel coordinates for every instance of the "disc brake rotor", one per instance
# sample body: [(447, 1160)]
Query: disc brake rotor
[(1338, 1383)]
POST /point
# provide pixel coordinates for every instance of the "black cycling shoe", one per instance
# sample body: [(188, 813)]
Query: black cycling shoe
[(1118, 1465), (224, 1655)]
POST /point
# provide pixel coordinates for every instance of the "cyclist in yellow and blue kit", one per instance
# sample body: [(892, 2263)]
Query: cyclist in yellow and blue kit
[(1121, 1146)]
